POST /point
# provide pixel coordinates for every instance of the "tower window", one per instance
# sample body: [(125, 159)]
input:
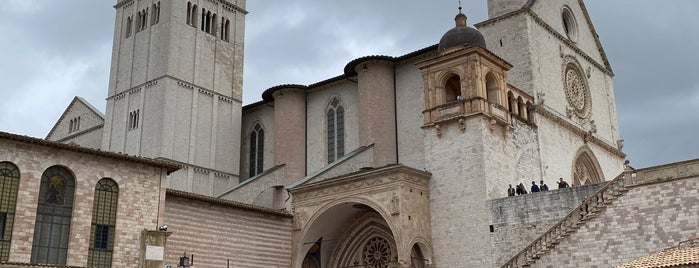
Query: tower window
[(192, 14), (257, 149), (225, 29), (129, 23), (142, 20), (335, 130), (155, 14), (134, 117)]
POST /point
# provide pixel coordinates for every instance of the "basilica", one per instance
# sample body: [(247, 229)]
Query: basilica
[(400, 161)]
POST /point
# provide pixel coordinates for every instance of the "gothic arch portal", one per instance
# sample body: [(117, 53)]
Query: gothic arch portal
[(586, 168)]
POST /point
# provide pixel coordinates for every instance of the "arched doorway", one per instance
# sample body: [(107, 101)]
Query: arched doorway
[(585, 169)]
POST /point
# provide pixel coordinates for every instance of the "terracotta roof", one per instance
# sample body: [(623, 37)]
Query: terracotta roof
[(686, 254), (227, 203), (171, 167)]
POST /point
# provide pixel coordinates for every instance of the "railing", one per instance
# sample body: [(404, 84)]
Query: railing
[(587, 209)]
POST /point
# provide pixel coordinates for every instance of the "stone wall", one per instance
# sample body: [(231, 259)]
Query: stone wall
[(658, 211), (141, 193), (518, 220), (217, 231)]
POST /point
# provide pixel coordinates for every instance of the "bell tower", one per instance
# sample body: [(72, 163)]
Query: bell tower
[(472, 121), (175, 88)]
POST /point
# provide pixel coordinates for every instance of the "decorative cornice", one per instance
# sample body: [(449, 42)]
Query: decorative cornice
[(227, 203), (589, 137), (180, 82), (199, 169)]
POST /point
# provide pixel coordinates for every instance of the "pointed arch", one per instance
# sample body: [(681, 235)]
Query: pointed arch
[(53, 217), (586, 168), (257, 149), (104, 213), (9, 187), (335, 129)]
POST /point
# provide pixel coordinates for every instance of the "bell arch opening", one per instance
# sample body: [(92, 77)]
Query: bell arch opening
[(452, 89)]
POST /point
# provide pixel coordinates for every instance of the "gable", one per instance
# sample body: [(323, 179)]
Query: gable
[(80, 117), (583, 35)]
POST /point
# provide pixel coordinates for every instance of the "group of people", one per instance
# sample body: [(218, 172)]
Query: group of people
[(520, 189)]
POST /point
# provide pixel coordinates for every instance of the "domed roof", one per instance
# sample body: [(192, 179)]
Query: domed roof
[(461, 35)]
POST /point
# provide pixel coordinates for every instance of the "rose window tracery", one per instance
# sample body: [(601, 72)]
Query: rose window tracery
[(377, 253), (577, 93)]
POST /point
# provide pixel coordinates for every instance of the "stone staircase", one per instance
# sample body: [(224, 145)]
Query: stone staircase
[(587, 210)]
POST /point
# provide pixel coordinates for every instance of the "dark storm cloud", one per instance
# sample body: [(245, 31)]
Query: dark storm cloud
[(53, 50)]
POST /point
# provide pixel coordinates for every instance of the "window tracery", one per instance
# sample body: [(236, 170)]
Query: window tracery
[(257, 143), (335, 130), (377, 253), (53, 217), (576, 91)]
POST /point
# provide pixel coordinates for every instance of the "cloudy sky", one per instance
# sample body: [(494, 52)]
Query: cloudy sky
[(51, 51)]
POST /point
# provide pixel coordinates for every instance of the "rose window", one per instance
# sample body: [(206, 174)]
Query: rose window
[(577, 93), (377, 253)]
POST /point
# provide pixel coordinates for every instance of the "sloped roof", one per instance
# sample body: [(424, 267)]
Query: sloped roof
[(686, 254), (171, 167), (75, 100)]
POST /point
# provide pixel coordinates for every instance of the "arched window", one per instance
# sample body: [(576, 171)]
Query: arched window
[(53, 216), (452, 89), (203, 19), (9, 186), (227, 28), (213, 24), (257, 149), (492, 90), (104, 213), (335, 130), (208, 22), (189, 13), (530, 109), (511, 102), (520, 107), (155, 13), (585, 171), (129, 23), (193, 19)]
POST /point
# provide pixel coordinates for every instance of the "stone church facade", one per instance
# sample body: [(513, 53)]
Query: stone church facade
[(401, 161)]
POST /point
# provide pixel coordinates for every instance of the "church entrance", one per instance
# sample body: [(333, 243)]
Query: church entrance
[(375, 219)]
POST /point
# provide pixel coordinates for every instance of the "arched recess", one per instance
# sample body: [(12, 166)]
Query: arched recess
[(420, 253), (368, 242), (586, 169), (511, 105), (492, 89), (331, 220), (452, 89), (53, 217)]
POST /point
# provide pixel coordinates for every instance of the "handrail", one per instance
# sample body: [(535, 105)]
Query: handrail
[(571, 221)]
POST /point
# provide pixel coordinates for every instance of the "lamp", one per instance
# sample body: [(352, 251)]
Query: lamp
[(184, 261)]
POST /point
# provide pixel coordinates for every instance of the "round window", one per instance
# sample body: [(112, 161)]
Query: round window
[(576, 90)]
